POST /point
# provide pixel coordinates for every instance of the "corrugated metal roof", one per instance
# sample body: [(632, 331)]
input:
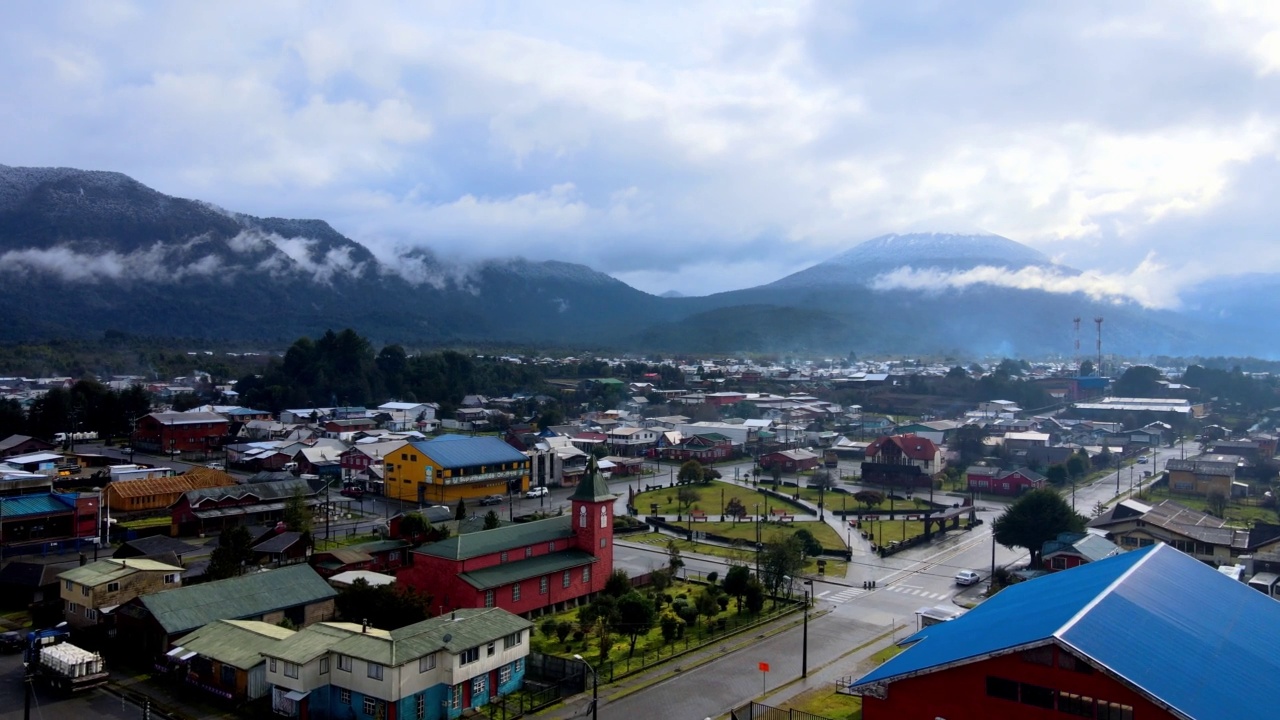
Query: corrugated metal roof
[(506, 573), (458, 451), (187, 608), (465, 628), (101, 571), (37, 504), (507, 537), (238, 643), (1160, 621)]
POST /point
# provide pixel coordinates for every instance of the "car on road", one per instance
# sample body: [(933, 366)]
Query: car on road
[(353, 492), (216, 466), (491, 500), (540, 491), (1143, 460), (967, 577), (11, 642)]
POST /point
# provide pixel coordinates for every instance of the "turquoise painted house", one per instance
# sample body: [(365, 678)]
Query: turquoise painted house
[(430, 670)]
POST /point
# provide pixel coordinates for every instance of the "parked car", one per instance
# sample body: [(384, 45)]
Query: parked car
[(353, 492), (11, 642), (491, 500), (216, 466), (539, 491), (967, 577)]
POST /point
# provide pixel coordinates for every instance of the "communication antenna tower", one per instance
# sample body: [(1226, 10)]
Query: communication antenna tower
[(1098, 322), (1076, 357)]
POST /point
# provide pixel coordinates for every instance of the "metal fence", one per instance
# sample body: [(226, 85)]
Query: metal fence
[(759, 711)]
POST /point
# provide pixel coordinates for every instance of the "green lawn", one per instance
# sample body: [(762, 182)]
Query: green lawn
[(341, 540), (712, 498), (746, 531), (886, 531), (827, 703), (160, 521), (744, 554)]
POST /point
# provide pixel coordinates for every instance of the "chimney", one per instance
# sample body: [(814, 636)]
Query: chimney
[(364, 625), (453, 614), (83, 560)]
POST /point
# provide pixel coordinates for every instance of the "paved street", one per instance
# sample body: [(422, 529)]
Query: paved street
[(50, 706)]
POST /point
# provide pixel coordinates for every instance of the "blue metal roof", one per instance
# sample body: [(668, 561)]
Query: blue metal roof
[(39, 504), (457, 451), (1163, 622)]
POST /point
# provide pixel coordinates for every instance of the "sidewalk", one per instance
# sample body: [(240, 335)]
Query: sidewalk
[(578, 706)]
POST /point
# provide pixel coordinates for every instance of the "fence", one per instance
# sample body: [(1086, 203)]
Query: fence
[(759, 711), (533, 698)]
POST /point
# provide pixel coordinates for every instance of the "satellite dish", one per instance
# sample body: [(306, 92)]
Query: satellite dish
[(448, 638)]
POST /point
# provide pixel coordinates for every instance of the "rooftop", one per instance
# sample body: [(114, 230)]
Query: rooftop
[(507, 537), (1158, 621), (506, 573), (238, 643), (111, 569), (186, 608), (456, 451)]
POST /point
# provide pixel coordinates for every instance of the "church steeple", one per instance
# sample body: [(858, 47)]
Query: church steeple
[(592, 488)]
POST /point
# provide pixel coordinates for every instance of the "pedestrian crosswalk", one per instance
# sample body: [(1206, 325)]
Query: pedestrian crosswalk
[(846, 595), (908, 590)]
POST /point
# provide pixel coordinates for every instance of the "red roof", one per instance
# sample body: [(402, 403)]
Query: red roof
[(913, 446)]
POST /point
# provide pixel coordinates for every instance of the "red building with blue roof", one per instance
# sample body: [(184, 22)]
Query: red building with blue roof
[(1152, 633)]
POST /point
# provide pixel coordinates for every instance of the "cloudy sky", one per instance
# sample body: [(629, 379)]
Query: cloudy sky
[(690, 146)]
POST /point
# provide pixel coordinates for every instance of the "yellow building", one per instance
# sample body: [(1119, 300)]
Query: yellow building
[(443, 470)]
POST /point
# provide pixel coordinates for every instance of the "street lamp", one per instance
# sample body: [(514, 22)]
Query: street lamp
[(595, 686), (804, 648)]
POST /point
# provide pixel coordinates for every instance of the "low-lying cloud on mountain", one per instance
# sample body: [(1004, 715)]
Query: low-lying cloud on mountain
[(1148, 284)]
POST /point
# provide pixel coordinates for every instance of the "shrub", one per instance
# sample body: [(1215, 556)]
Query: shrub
[(549, 627), (712, 577), (578, 635)]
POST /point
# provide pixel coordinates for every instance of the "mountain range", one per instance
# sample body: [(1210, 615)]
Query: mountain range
[(86, 251)]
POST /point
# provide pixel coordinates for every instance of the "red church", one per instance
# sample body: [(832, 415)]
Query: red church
[(525, 568)]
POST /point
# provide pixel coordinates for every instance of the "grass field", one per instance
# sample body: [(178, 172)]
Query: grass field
[(886, 531), (712, 499), (746, 531), (744, 554), (160, 521), (825, 702)]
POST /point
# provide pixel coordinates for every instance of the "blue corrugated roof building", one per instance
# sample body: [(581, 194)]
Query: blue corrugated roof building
[(1161, 623), (460, 451)]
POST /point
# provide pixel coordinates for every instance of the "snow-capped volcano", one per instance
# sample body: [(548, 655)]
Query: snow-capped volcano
[(944, 252)]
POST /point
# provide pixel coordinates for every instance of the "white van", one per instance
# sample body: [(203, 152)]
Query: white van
[(539, 491)]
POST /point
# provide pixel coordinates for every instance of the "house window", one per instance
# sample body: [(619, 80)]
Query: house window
[(324, 666), (1039, 656), (228, 676), (404, 456), (582, 516), (290, 669), (344, 663), (488, 598), (374, 671), (271, 665), (604, 517), (528, 552), (420, 706), (73, 608), (1072, 704), (567, 579), (90, 614), (542, 585), (551, 546), (1002, 688), (477, 685), (519, 664), (586, 574), (370, 706), (1129, 541), (427, 662), (515, 593), (1035, 695), (1114, 711), (604, 542), (113, 586), (512, 640), (68, 582), (503, 557), (504, 674), (1059, 563), (455, 697), (84, 590), (344, 696), (492, 648), (468, 656), (170, 578)]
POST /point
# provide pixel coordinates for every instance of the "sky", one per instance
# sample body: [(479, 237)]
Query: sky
[(687, 146)]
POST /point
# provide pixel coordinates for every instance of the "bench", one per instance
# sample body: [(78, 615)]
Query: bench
[(781, 515), (698, 516)]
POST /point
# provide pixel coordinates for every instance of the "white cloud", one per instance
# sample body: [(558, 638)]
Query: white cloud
[(642, 138)]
